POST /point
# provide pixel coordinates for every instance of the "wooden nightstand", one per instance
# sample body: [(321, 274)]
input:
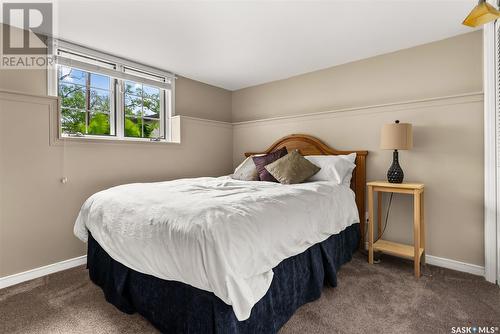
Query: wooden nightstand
[(415, 252)]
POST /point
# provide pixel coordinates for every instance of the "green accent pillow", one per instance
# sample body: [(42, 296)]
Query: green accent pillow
[(292, 168)]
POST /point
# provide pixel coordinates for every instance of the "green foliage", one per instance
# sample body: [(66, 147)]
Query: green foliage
[(132, 129), (152, 129), (72, 96), (142, 110), (99, 124), (73, 121), (99, 100), (152, 107)]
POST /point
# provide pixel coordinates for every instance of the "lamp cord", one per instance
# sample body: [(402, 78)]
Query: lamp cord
[(385, 223), (386, 218)]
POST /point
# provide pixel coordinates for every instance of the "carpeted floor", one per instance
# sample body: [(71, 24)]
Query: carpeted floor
[(382, 298)]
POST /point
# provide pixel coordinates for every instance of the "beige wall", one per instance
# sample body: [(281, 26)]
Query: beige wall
[(448, 152), (26, 81), (197, 99), (37, 211), (451, 66), (31, 81)]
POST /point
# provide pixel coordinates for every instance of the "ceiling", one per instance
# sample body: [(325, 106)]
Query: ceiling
[(236, 44)]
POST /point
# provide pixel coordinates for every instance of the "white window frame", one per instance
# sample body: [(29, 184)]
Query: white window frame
[(152, 76), (164, 112)]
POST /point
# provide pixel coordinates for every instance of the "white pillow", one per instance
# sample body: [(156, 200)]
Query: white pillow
[(337, 168)]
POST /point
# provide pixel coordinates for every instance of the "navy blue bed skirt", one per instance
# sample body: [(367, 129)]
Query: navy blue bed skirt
[(175, 307)]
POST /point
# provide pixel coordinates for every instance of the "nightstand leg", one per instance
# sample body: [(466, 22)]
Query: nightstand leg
[(422, 226), (370, 224), (416, 232), (379, 214)]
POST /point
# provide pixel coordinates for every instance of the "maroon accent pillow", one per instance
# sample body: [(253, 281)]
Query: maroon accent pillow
[(264, 160)]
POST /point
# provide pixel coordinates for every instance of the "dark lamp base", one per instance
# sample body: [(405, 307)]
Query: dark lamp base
[(395, 173)]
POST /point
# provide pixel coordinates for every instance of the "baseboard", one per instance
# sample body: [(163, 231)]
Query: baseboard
[(78, 261), (41, 271), (473, 269)]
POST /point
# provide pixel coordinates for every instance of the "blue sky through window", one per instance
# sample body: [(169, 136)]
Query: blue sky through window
[(99, 81)]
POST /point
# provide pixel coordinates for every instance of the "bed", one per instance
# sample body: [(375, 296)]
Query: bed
[(218, 255)]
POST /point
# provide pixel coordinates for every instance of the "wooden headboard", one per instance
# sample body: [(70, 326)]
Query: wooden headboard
[(309, 145)]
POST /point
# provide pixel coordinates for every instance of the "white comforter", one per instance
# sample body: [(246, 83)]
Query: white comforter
[(216, 234)]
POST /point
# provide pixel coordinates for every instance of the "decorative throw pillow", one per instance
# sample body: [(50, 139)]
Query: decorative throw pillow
[(292, 168), (262, 161), (246, 171)]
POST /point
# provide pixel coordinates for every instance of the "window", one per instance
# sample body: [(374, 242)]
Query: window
[(106, 97), (142, 111), (85, 102)]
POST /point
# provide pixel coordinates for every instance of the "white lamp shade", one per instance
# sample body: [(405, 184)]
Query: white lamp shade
[(396, 136)]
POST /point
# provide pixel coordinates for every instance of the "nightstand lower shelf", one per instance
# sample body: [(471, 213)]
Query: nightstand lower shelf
[(396, 249)]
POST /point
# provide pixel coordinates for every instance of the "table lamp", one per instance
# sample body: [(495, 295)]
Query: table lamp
[(396, 136)]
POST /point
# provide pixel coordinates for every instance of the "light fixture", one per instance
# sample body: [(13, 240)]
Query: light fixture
[(396, 136), (481, 14)]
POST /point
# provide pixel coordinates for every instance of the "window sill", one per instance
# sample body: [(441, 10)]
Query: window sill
[(58, 139), (112, 139)]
